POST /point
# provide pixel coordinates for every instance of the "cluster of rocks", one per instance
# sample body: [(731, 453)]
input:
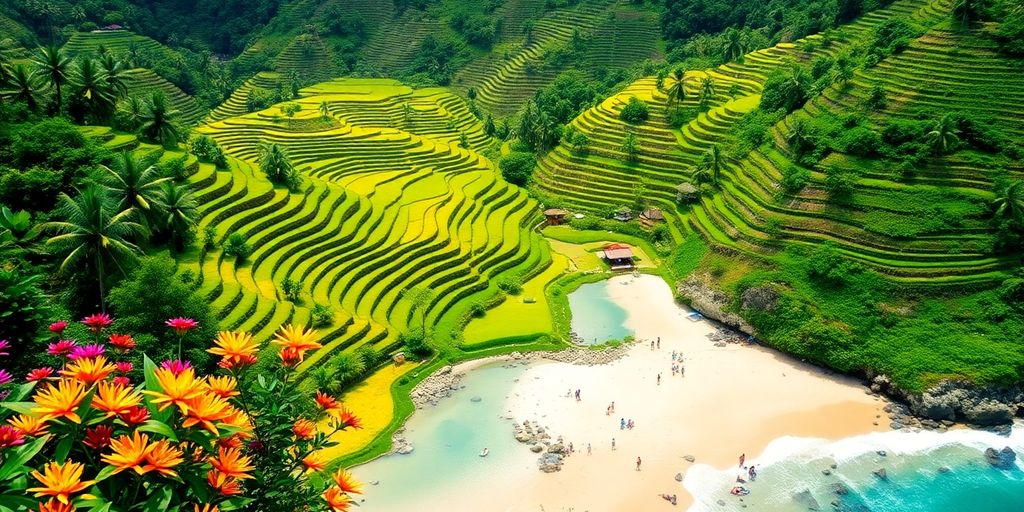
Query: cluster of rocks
[(553, 451), (1002, 459), (399, 444), (950, 402), (724, 335), (587, 356), (436, 387), (712, 304), (901, 418)]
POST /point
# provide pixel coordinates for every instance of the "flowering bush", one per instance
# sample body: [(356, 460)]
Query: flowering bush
[(90, 436)]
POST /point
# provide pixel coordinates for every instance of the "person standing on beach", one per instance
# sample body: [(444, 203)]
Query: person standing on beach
[(613, 443), (622, 423), (743, 458), (638, 463), (659, 379), (659, 342), (588, 448), (652, 344), (577, 395)]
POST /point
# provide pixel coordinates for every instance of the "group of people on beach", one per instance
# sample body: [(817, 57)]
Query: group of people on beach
[(739, 489)]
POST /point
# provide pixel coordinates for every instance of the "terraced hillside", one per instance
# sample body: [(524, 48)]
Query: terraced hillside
[(115, 41), (751, 212), (143, 82), (265, 82), (393, 45), (306, 56), (629, 35), (389, 200)]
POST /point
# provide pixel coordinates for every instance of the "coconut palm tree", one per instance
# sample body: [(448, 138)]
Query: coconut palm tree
[(178, 206), (707, 91), (24, 86), (712, 161), (325, 110), (53, 67), (134, 185), (734, 46), (114, 75), (676, 88), (90, 90), (275, 164), (158, 121), (1009, 202), (132, 113), (943, 137), (92, 234)]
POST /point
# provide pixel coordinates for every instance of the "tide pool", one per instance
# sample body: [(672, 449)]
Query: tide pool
[(448, 439), (924, 472), (596, 318)]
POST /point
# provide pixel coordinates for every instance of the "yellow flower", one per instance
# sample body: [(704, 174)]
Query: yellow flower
[(177, 389), (314, 462), (89, 369), (231, 463), (60, 401), (28, 425), (115, 399), (206, 409), (224, 387), (162, 457), (60, 481), (235, 348), (129, 452), (295, 341)]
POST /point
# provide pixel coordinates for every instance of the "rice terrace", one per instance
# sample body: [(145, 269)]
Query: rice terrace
[(515, 255)]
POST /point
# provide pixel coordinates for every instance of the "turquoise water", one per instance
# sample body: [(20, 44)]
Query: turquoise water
[(914, 481), (596, 318), (447, 440)]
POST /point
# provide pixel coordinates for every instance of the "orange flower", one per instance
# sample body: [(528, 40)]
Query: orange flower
[(162, 457), (28, 425), (60, 401), (207, 508), (115, 399), (129, 452), (336, 500), (346, 482), (295, 341), (343, 418), (224, 387), (224, 485), (326, 402), (232, 463), (239, 420), (135, 416), (304, 429), (206, 409), (235, 348), (60, 481), (55, 506), (290, 357), (178, 389), (89, 369), (314, 462)]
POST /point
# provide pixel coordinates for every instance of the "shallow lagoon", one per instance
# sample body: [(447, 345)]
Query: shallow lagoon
[(596, 318)]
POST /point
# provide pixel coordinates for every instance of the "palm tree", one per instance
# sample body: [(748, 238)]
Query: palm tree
[(53, 67), (713, 162), (114, 75), (24, 86), (179, 212), (134, 185), (275, 164), (966, 11), (91, 89), (132, 113), (702, 175), (734, 46), (943, 136), (158, 121), (91, 233), (676, 89), (707, 91), (1010, 201), (325, 110)]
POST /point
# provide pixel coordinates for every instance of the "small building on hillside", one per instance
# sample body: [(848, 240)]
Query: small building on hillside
[(623, 214), (112, 27), (686, 192), (618, 256), (651, 216), (555, 216)]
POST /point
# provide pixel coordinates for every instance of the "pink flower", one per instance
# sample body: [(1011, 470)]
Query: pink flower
[(182, 325), (85, 351), (122, 342), (10, 436), (4, 345), (176, 366), (124, 366), (39, 374), (60, 348), (121, 380), (58, 327), (5, 377), (97, 322)]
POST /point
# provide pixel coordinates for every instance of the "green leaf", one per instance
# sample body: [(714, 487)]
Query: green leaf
[(104, 474), (15, 463), (159, 501), (21, 392), (63, 449), (16, 502), (149, 370), (19, 407), (159, 427)]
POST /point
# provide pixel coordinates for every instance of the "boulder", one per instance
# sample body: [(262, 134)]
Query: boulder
[(880, 473), (556, 448), (988, 413), (475, 399), (689, 458), (1002, 459), (840, 489), (679, 477), (537, 448)]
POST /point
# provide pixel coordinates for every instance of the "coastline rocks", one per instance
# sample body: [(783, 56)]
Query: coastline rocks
[(1002, 459), (711, 303), (679, 477), (959, 401), (587, 356), (399, 444), (689, 458), (550, 462), (436, 387), (880, 473), (805, 499)]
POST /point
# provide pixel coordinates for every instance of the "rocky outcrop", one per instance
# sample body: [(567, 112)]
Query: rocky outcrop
[(1002, 459), (711, 303), (987, 407)]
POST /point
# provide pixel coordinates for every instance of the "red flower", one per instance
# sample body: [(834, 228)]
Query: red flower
[(62, 347), (176, 366), (290, 357), (135, 416), (10, 436), (98, 438), (326, 402), (344, 418), (121, 380), (124, 366), (86, 351), (97, 322), (58, 327), (182, 325), (39, 374), (122, 342)]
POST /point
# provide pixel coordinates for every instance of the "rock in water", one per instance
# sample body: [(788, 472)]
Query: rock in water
[(475, 399), (880, 473), (805, 499), (1002, 459)]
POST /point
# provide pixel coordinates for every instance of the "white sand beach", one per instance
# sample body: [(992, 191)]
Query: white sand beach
[(732, 400)]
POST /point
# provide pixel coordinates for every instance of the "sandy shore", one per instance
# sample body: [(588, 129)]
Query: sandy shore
[(732, 400)]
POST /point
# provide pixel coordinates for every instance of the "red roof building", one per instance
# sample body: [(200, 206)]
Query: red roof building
[(619, 256)]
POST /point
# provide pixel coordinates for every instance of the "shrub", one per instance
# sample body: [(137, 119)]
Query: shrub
[(679, 116), (416, 343), (839, 183), (635, 111), (631, 148), (323, 316), (794, 178), (878, 98), (517, 167), (173, 168), (477, 310), (828, 267), (237, 245), (787, 91), (510, 286), (859, 141), (291, 289)]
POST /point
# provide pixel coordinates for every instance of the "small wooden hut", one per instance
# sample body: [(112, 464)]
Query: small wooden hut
[(686, 192)]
